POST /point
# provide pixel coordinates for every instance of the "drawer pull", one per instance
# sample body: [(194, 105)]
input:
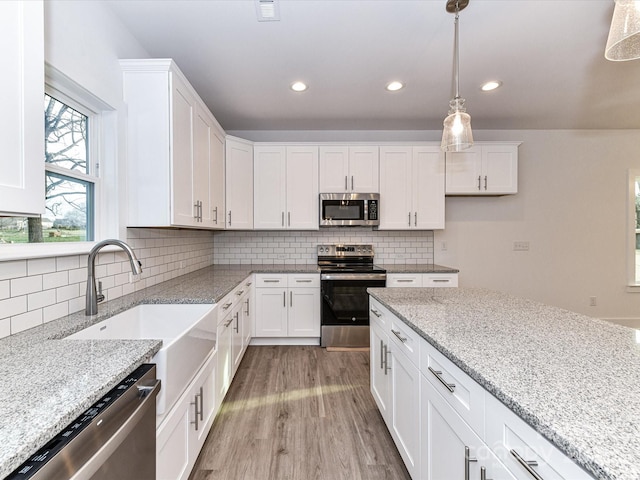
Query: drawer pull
[(376, 313), (304, 281), (238, 293), (440, 280), (229, 322), (248, 284), (437, 373), (227, 305), (467, 461), (527, 464), (404, 280), (400, 337), (271, 281)]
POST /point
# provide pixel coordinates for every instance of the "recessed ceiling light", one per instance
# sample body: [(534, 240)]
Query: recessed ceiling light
[(394, 86), (490, 85), (299, 86)]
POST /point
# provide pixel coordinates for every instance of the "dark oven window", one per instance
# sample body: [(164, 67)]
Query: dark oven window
[(346, 302)]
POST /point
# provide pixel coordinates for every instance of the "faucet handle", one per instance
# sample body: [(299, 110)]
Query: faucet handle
[(100, 296)]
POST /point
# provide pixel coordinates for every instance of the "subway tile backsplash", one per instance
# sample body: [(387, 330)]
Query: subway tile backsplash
[(274, 247), (36, 291)]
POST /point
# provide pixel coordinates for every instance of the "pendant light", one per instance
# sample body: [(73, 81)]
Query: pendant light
[(624, 35), (456, 135)]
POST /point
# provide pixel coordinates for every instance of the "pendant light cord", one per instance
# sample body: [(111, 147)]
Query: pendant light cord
[(456, 54)]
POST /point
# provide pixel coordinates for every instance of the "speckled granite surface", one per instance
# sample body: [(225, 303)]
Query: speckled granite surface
[(418, 268), (575, 379), (44, 384)]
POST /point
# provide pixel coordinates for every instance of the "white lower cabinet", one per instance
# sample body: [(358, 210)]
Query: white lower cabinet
[(287, 306), (183, 431), (422, 280), (445, 425)]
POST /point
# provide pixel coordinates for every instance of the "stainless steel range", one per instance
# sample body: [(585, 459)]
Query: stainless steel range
[(346, 271)]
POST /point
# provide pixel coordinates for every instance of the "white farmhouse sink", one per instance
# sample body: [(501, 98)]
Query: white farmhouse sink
[(188, 334)]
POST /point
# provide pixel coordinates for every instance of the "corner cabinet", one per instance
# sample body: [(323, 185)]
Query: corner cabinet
[(347, 169), (22, 126), (412, 188), (285, 187), (239, 184), (484, 169), (174, 148)]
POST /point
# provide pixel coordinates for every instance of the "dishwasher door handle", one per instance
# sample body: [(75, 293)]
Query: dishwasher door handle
[(148, 399)]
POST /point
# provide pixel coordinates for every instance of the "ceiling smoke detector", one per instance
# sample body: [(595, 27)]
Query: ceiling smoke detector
[(268, 10)]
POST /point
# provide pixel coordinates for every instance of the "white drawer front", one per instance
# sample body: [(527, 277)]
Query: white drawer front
[(462, 392), (406, 339), (379, 315), (440, 280), (267, 280), (301, 280), (404, 280), (516, 443)]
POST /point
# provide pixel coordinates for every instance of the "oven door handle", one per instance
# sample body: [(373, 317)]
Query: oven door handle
[(147, 395), (353, 276)]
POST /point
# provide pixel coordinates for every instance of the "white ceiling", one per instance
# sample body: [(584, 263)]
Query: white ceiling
[(548, 53)]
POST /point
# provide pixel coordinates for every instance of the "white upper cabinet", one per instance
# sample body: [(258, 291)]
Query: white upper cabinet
[(239, 184), (216, 179), (22, 121), (286, 187), (484, 169), (411, 188), (173, 148), (345, 169)]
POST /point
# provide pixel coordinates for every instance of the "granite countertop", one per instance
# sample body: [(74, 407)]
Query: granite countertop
[(573, 378), (44, 384), (418, 268)]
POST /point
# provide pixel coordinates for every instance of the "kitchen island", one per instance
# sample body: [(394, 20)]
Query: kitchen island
[(46, 381), (574, 379)]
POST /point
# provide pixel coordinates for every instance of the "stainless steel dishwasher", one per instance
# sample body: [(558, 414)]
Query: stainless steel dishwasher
[(114, 439)]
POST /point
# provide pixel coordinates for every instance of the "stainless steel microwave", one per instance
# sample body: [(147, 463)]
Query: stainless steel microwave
[(349, 209)]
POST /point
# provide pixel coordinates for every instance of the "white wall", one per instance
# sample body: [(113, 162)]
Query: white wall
[(571, 207)]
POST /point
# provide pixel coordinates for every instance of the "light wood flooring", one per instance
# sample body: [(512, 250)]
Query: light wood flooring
[(300, 413)]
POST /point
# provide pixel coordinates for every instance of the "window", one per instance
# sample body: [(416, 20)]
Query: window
[(634, 228), (70, 179)]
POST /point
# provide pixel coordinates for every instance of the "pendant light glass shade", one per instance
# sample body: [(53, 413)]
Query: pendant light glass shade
[(624, 36), (457, 134)]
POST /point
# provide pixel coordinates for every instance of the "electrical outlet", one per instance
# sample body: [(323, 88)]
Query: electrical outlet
[(443, 246), (592, 301), (520, 246)]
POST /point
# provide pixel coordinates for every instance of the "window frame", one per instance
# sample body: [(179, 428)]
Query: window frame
[(633, 276), (105, 149)]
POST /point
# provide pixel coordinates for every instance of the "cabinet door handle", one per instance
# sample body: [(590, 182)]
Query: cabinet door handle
[(247, 312), (376, 313), (345, 183), (195, 211), (400, 337), (409, 218), (196, 413), (479, 182), (283, 219), (527, 464), (438, 375), (291, 299), (485, 182), (467, 461), (415, 219), (229, 217), (201, 404), (237, 327), (351, 182), (215, 212), (288, 219), (284, 299), (381, 354), (483, 474), (386, 360)]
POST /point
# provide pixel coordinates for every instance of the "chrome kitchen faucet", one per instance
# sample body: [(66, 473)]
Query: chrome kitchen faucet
[(92, 297)]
